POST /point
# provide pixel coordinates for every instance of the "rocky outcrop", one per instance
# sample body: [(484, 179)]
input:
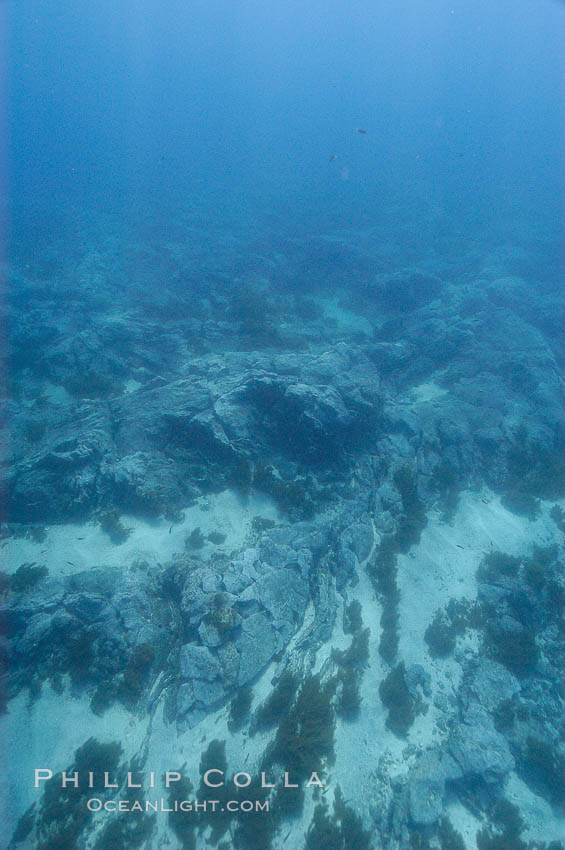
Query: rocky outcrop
[(88, 625), (355, 426), (241, 616), (480, 751), (238, 616), (152, 450)]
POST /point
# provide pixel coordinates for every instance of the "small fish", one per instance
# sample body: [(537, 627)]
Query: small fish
[(484, 501), (170, 529), (70, 563), (361, 130), (333, 156), (459, 547), (81, 538)]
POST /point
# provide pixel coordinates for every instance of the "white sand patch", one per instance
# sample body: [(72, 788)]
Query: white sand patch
[(428, 391), (346, 319), (361, 743), (72, 548), (131, 386), (444, 563), (56, 394), (46, 734), (170, 749), (443, 566), (543, 823), (434, 571), (464, 822)]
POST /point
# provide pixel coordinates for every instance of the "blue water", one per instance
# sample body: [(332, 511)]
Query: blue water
[(145, 105), (284, 310)]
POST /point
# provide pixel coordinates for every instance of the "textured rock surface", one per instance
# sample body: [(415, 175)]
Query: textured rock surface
[(355, 395), (479, 749)]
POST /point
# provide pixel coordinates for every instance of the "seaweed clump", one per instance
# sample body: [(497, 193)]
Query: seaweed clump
[(352, 619), (535, 573), (510, 633), (37, 533), (342, 831), (127, 833), (24, 826), (383, 573), (324, 833), (195, 540), (536, 568), (352, 663), (239, 707), (516, 648), (504, 829), (103, 697), (182, 823), (63, 814), (413, 518), (255, 828), (544, 766), (111, 524), (135, 674), (129, 688), (259, 524), (252, 830), (305, 736), (216, 537), (214, 757), (396, 696), (383, 570), (534, 472), (448, 623), (292, 497), (440, 636), (277, 703), (25, 577), (497, 566), (449, 838)]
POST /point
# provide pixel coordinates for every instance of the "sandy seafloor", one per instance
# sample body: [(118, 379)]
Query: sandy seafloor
[(441, 566)]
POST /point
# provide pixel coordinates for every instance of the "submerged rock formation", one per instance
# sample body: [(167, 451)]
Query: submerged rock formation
[(425, 401)]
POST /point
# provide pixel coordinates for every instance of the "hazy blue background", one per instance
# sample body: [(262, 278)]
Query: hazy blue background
[(241, 102)]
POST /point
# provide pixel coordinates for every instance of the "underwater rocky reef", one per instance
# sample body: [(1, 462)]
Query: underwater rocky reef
[(279, 504)]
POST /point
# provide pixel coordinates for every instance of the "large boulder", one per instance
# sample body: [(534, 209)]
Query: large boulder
[(479, 750), (257, 644), (197, 662), (488, 683), (426, 786)]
